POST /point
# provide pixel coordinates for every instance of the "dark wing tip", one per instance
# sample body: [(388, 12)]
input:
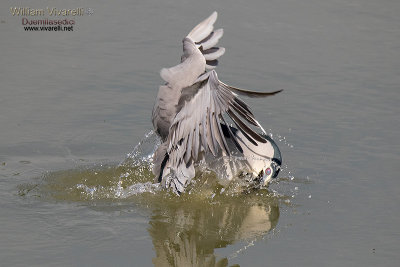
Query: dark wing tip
[(249, 93), (277, 92)]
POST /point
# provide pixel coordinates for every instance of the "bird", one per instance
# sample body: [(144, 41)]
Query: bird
[(192, 112)]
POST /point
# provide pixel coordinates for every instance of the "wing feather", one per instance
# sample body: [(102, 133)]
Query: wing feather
[(213, 53), (203, 131), (198, 122), (204, 28), (188, 153), (212, 142), (249, 93), (211, 64), (244, 128), (196, 142), (206, 40), (212, 39)]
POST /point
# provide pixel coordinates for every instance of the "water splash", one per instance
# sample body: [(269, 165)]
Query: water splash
[(133, 178), (143, 151), (130, 178), (280, 138)]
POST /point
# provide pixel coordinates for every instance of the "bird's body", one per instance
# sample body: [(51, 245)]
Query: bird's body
[(190, 114)]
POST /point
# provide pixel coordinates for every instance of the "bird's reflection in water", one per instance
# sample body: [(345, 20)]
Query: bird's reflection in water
[(187, 232)]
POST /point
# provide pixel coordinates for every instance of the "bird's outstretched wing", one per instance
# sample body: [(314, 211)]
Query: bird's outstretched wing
[(199, 54), (206, 39), (197, 128)]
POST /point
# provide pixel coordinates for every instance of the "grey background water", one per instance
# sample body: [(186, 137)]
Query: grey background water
[(85, 97)]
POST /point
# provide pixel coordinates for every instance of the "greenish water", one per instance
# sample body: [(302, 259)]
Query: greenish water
[(74, 105), (185, 230)]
